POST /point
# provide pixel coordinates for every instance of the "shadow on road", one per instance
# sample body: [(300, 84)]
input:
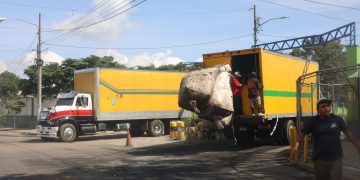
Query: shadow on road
[(201, 160), (79, 139)]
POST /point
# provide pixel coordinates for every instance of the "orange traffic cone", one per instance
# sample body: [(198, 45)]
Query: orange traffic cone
[(128, 139)]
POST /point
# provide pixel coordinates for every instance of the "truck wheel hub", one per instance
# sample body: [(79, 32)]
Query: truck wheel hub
[(68, 133), (157, 129)]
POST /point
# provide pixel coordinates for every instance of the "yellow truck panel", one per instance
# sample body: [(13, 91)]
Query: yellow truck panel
[(130, 94), (87, 80), (277, 73)]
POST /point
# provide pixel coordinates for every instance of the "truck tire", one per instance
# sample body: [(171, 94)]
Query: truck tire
[(282, 134), (156, 128), (287, 133), (67, 132)]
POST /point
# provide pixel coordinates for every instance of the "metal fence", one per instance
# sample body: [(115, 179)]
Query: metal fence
[(343, 89), (342, 85)]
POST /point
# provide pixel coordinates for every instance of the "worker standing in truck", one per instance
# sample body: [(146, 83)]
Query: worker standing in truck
[(254, 86), (235, 87)]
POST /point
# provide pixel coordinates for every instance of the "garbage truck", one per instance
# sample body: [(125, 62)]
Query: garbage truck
[(108, 99), (277, 74)]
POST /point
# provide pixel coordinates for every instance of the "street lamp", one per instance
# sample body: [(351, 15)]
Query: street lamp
[(39, 62), (257, 24), (4, 19)]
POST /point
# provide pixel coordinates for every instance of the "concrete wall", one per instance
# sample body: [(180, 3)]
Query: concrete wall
[(27, 117)]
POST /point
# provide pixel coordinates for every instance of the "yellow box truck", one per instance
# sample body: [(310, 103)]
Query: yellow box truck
[(278, 74), (105, 99)]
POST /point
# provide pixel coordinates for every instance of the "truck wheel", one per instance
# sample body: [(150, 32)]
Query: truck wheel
[(156, 128), (282, 134), (67, 132), (287, 134)]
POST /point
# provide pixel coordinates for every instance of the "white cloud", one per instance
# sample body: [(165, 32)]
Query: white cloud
[(18, 66), (50, 56), (106, 30), (200, 59), (120, 58), (144, 59)]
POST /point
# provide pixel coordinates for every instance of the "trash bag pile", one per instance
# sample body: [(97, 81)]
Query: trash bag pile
[(207, 92)]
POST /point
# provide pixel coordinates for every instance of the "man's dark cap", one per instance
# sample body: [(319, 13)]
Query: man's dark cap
[(323, 100)]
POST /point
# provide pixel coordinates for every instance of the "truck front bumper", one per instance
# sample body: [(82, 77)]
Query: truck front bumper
[(47, 131)]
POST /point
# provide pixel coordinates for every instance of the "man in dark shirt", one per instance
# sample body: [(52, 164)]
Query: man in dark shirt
[(327, 151), (254, 94)]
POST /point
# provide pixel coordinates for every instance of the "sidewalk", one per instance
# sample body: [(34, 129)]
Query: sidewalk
[(351, 162), (18, 132)]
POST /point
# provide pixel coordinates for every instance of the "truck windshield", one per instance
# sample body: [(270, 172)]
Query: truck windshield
[(65, 102)]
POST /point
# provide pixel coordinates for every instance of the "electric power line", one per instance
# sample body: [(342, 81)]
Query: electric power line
[(301, 10), (85, 26), (20, 62), (96, 21), (185, 13), (85, 14), (32, 6), (99, 14), (148, 48), (107, 18), (335, 5), (275, 36)]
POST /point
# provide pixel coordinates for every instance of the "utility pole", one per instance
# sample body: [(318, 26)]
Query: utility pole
[(258, 24), (39, 62), (255, 26)]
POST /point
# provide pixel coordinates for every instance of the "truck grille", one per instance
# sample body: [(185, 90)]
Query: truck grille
[(43, 123)]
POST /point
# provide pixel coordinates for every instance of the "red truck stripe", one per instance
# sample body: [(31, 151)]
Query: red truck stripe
[(73, 113)]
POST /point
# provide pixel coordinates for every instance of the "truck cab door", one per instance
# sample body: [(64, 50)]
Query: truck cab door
[(84, 111)]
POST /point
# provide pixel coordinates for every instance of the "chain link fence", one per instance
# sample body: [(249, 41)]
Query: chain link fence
[(342, 85)]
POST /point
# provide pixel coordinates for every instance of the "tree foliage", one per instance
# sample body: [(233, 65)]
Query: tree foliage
[(9, 88), (57, 78), (328, 56), (14, 106), (8, 85)]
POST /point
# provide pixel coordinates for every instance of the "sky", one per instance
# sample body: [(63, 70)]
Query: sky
[(159, 32)]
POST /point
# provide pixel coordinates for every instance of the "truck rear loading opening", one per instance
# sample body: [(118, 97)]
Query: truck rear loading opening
[(278, 74)]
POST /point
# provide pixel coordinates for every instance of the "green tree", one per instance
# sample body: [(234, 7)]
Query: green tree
[(58, 78), (9, 85), (151, 67), (14, 106), (330, 55), (9, 88)]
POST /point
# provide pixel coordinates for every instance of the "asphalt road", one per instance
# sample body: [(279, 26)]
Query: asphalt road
[(24, 156)]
